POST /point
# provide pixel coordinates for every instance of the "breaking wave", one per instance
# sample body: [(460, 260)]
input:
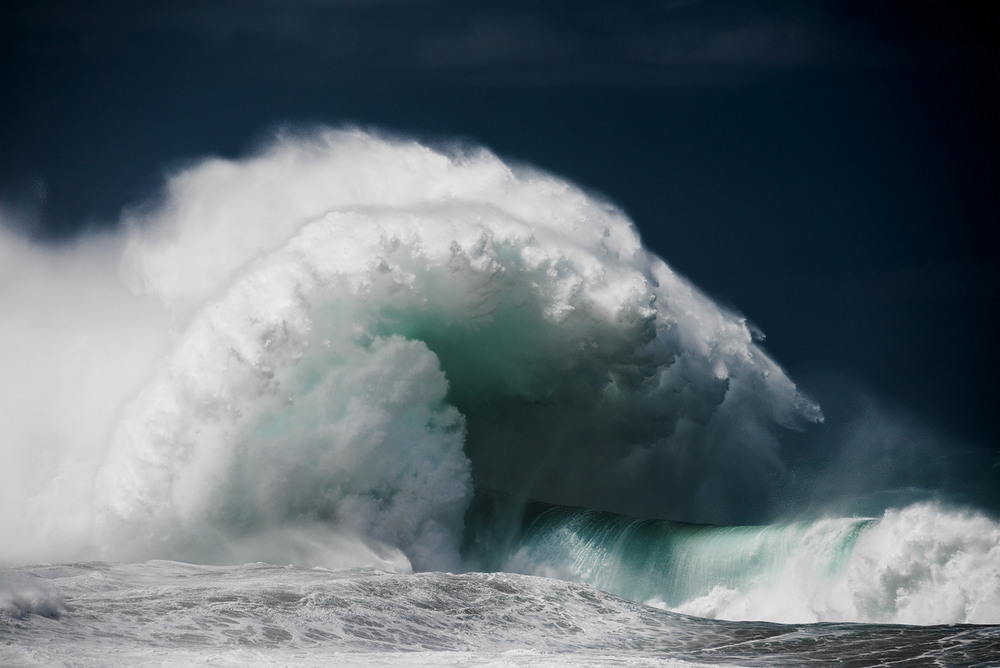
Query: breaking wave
[(319, 354)]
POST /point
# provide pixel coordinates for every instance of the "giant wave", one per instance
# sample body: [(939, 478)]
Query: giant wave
[(321, 354)]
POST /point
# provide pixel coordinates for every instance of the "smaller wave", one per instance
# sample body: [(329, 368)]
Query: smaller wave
[(922, 564), (20, 598), (925, 565)]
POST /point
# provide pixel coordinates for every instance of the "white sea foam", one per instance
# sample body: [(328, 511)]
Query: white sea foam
[(925, 565), (922, 564), (166, 613)]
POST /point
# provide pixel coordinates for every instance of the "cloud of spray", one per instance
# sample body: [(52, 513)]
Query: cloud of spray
[(74, 343), (871, 454), (343, 334)]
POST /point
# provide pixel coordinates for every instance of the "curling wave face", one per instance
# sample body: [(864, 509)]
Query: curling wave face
[(363, 328), (923, 564)]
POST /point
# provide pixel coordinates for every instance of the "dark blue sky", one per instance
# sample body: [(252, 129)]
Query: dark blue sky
[(827, 168)]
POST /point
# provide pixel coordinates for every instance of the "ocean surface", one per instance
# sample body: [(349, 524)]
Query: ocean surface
[(357, 400), (169, 613)]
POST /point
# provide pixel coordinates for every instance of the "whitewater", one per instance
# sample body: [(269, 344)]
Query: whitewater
[(362, 399)]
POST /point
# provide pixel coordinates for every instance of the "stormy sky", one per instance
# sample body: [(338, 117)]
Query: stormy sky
[(829, 169)]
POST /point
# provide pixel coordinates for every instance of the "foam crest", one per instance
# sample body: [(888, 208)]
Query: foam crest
[(922, 564)]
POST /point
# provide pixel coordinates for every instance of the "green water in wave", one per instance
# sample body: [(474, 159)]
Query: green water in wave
[(655, 560)]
